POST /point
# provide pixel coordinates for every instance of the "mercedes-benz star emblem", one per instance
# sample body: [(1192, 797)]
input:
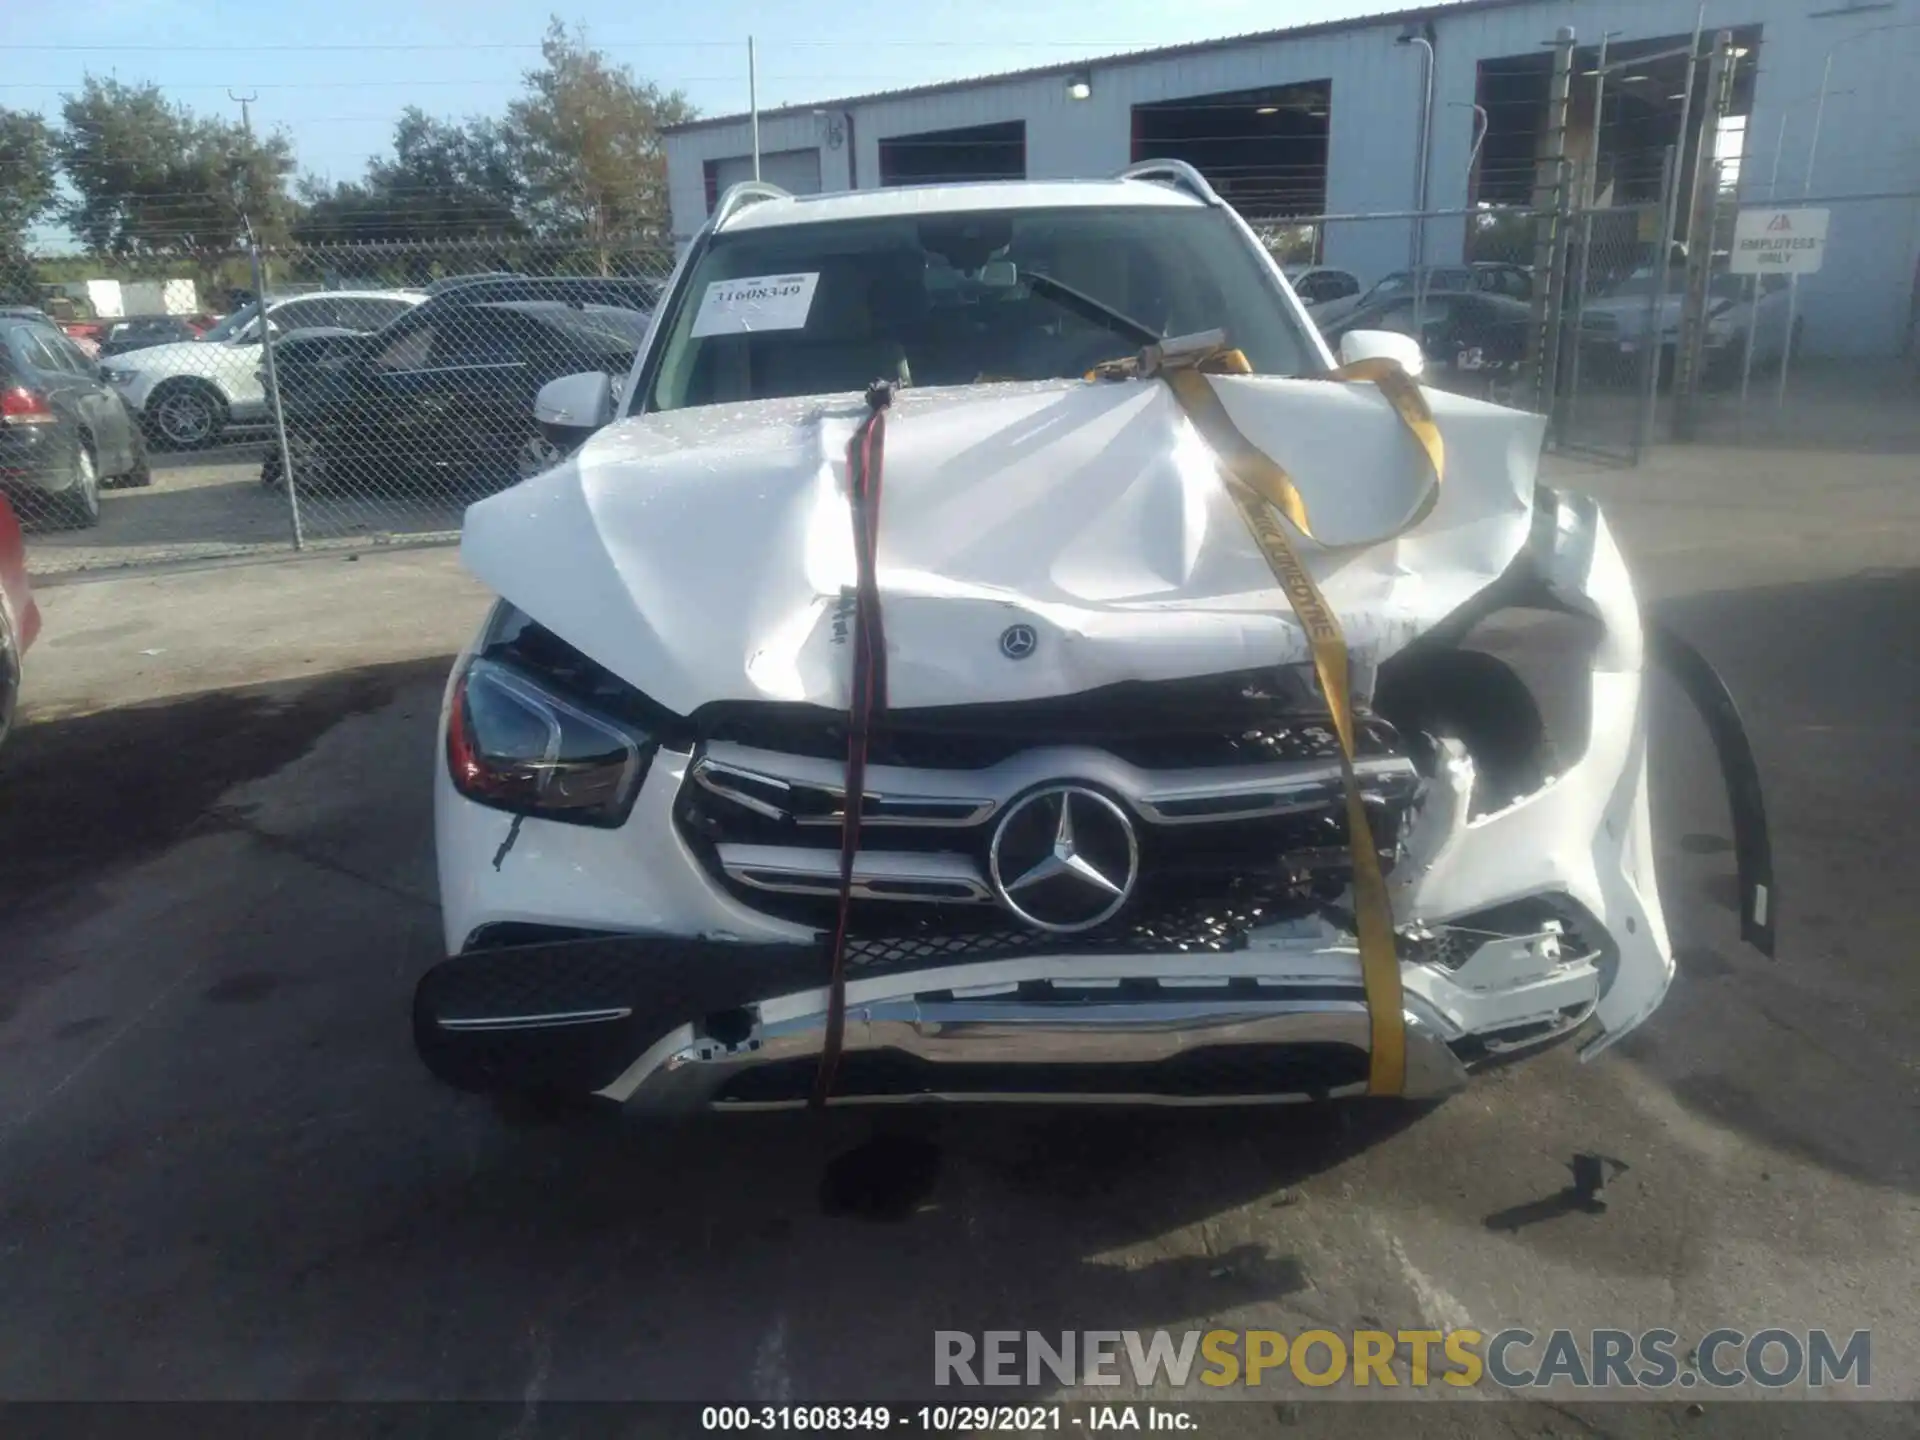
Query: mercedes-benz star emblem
[(1018, 641), (1064, 858)]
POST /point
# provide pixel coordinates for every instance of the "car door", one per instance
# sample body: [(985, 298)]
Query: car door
[(1434, 324), (244, 376), (74, 387), (368, 313), (490, 361)]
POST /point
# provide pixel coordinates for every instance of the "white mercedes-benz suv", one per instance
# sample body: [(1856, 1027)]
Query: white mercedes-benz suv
[(989, 649)]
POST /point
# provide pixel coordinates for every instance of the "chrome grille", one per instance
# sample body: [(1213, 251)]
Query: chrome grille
[(1223, 847)]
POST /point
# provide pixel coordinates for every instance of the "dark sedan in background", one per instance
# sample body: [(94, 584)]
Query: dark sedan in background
[(144, 330), (63, 429), (302, 354), (1472, 343), (442, 399)]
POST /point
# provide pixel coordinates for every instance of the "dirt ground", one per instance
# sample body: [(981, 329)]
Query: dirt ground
[(223, 1173)]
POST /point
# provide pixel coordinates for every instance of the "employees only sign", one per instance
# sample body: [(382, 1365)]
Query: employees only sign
[(1778, 242)]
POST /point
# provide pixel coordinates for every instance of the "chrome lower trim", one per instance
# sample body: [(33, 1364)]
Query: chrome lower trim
[(987, 1032), (1305, 986), (535, 1022), (877, 875)]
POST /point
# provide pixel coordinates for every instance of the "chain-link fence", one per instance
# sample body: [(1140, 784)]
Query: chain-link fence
[(1618, 329), (1808, 357), (207, 405), (1473, 316), (216, 404)]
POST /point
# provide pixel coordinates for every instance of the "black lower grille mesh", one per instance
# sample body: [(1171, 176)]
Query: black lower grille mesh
[(1201, 925)]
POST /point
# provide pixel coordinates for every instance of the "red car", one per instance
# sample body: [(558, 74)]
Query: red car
[(19, 616)]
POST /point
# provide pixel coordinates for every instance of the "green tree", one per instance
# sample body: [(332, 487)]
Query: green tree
[(445, 180), (586, 138), (150, 177), (27, 172), (27, 178)]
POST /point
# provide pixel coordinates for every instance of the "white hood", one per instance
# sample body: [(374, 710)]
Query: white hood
[(175, 357), (702, 554)]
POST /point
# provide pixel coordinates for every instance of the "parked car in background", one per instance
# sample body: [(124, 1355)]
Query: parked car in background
[(1318, 284), (77, 321), (143, 331), (1486, 277), (450, 282), (1471, 341), (19, 616), (442, 400), (1616, 327), (301, 355), (63, 431), (187, 394)]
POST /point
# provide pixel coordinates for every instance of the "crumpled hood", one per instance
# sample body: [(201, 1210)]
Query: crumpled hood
[(706, 554)]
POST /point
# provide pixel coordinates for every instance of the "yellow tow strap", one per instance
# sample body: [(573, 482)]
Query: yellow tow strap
[(1259, 485)]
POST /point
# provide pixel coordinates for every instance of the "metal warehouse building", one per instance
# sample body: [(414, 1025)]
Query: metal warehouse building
[(1327, 120)]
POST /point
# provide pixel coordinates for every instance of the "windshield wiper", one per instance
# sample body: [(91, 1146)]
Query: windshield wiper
[(1089, 308)]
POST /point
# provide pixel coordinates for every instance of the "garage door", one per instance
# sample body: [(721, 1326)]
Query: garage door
[(795, 171)]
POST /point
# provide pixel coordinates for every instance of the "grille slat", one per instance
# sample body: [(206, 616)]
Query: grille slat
[(1238, 826)]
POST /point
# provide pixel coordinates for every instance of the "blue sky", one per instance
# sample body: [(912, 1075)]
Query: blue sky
[(338, 104)]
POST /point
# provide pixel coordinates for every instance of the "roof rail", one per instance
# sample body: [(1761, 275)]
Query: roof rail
[(1178, 171), (743, 194)]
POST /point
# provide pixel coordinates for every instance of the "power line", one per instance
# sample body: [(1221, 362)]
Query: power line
[(442, 46)]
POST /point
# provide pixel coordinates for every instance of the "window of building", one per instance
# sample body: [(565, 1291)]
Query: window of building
[(978, 152)]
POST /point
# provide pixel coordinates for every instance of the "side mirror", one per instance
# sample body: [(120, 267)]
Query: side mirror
[(571, 408), (1358, 345)]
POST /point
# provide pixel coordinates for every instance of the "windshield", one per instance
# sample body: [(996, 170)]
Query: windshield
[(606, 328), (234, 323), (958, 299), (1400, 282)]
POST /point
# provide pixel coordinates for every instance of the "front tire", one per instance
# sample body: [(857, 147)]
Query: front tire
[(186, 415), (78, 506)]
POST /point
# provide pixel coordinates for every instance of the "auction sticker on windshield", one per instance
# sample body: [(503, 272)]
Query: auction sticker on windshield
[(756, 302)]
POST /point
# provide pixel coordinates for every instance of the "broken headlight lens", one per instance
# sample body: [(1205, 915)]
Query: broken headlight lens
[(517, 744)]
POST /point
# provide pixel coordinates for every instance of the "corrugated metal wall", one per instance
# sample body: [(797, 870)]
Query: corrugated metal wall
[(1869, 140)]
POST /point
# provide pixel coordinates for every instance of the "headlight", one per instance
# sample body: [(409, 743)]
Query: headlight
[(113, 375), (529, 730)]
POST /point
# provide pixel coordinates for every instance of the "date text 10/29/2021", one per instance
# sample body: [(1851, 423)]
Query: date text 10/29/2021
[(958, 1419)]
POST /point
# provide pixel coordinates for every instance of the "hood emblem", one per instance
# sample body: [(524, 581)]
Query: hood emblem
[(1017, 642), (1064, 858)]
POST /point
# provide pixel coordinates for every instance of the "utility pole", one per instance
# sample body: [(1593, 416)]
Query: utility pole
[(753, 105), (246, 113)]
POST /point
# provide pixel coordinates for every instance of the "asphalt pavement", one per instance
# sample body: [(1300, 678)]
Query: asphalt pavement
[(223, 1173)]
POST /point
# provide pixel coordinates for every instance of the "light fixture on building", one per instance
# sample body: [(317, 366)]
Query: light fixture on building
[(1633, 79), (1080, 86)]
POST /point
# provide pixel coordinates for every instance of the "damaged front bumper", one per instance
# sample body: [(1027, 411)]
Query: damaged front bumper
[(679, 1025)]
